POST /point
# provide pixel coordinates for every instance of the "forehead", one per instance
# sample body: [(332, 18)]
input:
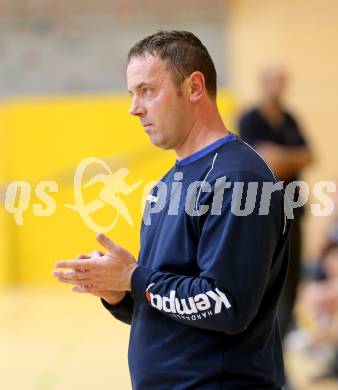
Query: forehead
[(146, 69), (273, 75)]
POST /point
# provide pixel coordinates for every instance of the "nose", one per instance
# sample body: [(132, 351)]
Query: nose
[(136, 108)]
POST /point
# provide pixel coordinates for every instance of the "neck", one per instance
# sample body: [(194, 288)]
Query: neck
[(272, 111), (206, 129), (270, 105)]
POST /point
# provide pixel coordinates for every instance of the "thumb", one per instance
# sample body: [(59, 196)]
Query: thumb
[(106, 242)]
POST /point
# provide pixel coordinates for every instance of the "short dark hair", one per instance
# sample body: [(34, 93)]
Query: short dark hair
[(184, 54)]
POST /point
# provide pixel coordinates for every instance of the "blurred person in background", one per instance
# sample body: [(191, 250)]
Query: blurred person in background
[(276, 135), (318, 301)]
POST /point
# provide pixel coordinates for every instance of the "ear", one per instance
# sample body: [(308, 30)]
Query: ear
[(196, 86)]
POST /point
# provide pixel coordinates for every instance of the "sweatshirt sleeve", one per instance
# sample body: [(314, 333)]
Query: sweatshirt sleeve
[(235, 257), (123, 310)]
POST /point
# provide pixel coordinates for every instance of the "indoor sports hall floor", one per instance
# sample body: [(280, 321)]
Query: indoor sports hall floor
[(53, 339)]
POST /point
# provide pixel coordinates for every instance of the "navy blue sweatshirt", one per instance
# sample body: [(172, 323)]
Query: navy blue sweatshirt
[(202, 306)]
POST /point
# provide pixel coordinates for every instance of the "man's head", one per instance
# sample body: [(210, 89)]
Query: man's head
[(273, 81), (169, 75)]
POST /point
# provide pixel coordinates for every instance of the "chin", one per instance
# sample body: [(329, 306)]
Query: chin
[(156, 140), (161, 145)]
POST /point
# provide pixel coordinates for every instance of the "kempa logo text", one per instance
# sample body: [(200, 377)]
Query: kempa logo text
[(18, 196), (192, 305)]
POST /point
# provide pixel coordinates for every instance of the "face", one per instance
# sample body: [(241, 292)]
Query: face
[(274, 83), (163, 113)]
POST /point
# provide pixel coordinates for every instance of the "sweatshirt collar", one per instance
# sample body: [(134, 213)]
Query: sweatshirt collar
[(206, 150)]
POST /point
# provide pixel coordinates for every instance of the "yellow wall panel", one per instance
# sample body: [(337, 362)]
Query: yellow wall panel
[(47, 139), (5, 273)]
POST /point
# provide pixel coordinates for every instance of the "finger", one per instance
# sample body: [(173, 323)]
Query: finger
[(97, 253), (70, 274), (106, 242), (82, 256), (72, 281), (75, 264), (80, 289)]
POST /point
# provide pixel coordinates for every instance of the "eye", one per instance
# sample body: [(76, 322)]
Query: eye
[(146, 91)]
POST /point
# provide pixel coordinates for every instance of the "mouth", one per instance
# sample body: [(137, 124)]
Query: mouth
[(147, 126)]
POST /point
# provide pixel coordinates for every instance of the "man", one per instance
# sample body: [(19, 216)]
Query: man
[(275, 134), (202, 298)]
